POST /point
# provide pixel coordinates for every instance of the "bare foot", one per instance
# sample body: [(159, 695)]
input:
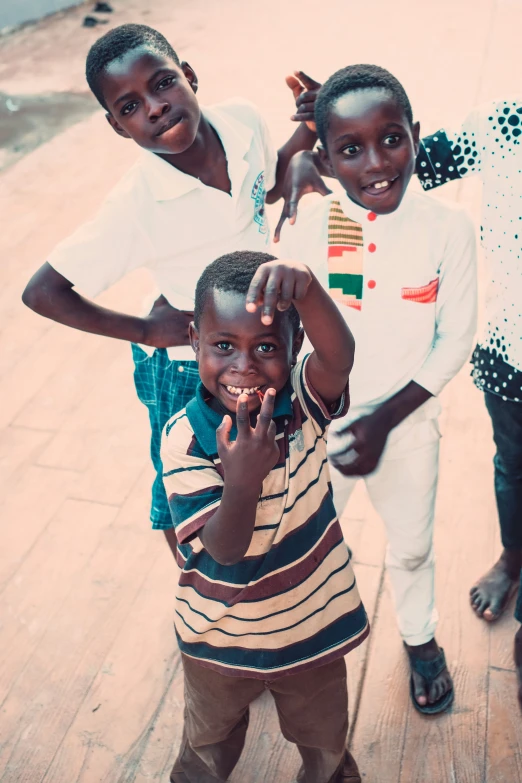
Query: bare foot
[(492, 592), (518, 663), (440, 685)]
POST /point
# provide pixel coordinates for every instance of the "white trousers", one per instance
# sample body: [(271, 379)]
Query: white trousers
[(402, 491)]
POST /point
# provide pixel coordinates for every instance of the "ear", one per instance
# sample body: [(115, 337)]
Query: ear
[(116, 126), (416, 137), (325, 160), (190, 75), (297, 344), (194, 339)]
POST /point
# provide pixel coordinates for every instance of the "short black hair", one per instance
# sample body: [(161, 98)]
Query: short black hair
[(115, 44), (351, 79), (234, 272)]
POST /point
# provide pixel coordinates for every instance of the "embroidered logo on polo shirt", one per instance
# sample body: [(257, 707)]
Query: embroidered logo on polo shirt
[(259, 196), (345, 258), (296, 441)]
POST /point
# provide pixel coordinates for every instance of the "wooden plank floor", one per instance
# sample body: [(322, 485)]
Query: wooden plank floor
[(90, 683)]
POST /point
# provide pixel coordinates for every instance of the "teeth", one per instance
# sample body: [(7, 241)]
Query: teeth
[(379, 185), (236, 390)]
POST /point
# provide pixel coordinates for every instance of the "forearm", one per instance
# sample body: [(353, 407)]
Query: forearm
[(402, 404), (227, 534), (302, 139), (327, 330), (69, 308)]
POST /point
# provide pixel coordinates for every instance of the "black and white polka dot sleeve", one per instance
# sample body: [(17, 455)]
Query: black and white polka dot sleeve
[(448, 155)]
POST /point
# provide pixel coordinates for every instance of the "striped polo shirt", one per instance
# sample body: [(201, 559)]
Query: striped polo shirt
[(292, 602)]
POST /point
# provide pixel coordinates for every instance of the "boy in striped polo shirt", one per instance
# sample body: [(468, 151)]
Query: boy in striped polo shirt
[(267, 597)]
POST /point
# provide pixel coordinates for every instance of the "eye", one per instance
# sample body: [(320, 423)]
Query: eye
[(129, 107), (223, 346), (266, 348), (166, 82), (351, 149), (392, 140)]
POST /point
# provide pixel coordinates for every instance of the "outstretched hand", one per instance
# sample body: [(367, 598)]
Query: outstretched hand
[(301, 178), (305, 91), (255, 452), (276, 285)]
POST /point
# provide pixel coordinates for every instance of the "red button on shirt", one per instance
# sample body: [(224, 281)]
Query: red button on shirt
[(371, 283), (372, 248), (372, 216)]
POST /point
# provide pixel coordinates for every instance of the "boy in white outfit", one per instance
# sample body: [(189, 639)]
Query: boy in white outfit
[(402, 267)]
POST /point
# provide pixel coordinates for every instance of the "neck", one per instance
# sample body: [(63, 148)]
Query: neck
[(203, 153)]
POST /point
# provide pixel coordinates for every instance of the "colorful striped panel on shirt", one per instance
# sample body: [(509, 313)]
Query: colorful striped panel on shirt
[(426, 294), (345, 258), (292, 602)]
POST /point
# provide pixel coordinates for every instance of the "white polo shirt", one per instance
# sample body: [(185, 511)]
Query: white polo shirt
[(160, 218), (405, 282)]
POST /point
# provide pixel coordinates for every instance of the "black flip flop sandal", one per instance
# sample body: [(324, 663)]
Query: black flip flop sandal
[(429, 671)]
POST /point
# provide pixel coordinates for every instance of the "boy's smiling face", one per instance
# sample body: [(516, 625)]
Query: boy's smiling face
[(237, 353), (371, 148), (152, 100)]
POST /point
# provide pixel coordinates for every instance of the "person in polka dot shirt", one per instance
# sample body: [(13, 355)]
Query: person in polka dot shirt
[(488, 145), (402, 267)]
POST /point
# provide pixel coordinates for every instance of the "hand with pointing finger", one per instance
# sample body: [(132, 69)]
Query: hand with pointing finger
[(304, 90), (255, 452), (301, 178), (276, 285)]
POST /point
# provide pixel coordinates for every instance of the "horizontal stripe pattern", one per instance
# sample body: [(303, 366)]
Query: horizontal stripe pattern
[(426, 294), (292, 601)]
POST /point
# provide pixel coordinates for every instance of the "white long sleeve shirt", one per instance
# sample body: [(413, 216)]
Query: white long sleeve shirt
[(405, 283)]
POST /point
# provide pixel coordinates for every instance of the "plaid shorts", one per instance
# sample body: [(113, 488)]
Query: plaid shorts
[(165, 387)]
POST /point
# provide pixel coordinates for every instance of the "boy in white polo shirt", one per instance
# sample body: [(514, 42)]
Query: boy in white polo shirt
[(402, 268), (198, 191)]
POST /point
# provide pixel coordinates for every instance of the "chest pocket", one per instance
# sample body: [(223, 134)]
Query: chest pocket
[(426, 294), (345, 258)]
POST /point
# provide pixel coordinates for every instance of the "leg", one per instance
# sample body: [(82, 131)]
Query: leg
[(216, 720), (492, 592), (164, 387), (403, 491), (313, 714), (518, 644)]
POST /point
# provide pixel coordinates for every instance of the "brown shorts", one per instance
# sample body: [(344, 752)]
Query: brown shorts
[(313, 714)]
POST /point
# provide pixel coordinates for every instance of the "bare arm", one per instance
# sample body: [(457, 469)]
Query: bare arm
[(50, 294), (278, 284)]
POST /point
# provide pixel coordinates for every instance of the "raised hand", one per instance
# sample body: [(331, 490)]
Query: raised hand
[(276, 285), (304, 90), (166, 326), (254, 453), (301, 177)]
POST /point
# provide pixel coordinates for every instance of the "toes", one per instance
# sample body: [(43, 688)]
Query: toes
[(489, 615), (419, 691), (473, 591)]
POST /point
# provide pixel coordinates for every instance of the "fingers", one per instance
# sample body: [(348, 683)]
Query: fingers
[(223, 433), (264, 420), (287, 293), (242, 417), (254, 295), (308, 82), (289, 213), (264, 290), (294, 84)]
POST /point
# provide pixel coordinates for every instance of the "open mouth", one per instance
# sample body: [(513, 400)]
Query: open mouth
[(236, 391), (382, 187), (170, 124)]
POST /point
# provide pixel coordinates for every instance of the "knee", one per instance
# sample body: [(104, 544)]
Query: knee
[(412, 557), (509, 464)]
